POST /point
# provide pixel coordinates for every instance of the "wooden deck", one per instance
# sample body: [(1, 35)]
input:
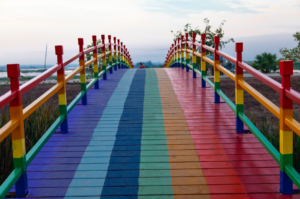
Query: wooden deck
[(153, 133)]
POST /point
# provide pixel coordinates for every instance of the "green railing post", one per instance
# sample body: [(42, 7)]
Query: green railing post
[(182, 54)]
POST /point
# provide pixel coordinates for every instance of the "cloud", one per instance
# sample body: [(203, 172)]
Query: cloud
[(140, 24)]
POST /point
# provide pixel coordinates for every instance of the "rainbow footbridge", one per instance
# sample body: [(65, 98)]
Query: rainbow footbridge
[(152, 133)]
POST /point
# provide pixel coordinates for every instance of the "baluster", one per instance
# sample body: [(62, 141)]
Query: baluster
[(194, 55), (286, 134), (122, 55), (203, 62), (125, 66), (182, 54), (216, 70), (18, 135), (119, 55), (82, 72), (174, 54), (62, 96), (239, 93), (178, 52), (187, 55), (95, 62), (115, 53), (104, 57), (110, 55)]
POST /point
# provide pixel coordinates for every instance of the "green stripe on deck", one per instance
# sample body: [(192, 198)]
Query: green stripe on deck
[(153, 125)]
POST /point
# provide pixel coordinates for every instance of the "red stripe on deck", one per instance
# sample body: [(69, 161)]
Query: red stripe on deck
[(234, 165)]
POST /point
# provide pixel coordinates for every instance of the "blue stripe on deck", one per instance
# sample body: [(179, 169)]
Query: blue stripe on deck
[(133, 111), (39, 173), (113, 108)]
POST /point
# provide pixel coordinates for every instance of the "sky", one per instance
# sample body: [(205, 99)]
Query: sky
[(144, 26)]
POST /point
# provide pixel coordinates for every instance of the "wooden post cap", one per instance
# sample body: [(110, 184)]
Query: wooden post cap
[(13, 70), (286, 67), (239, 47)]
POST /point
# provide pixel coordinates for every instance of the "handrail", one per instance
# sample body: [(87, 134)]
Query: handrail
[(38, 79), (287, 96), (15, 96), (265, 79)]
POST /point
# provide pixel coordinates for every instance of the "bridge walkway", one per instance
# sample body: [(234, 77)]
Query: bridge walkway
[(153, 133)]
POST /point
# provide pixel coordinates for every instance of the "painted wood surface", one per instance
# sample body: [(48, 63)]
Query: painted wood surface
[(153, 133)]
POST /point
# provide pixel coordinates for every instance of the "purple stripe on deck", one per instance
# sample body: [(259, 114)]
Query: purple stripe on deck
[(97, 100)]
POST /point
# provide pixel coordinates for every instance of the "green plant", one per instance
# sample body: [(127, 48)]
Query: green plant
[(266, 62), (294, 53), (209, 40)]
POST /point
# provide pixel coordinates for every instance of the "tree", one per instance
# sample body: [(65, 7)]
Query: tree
[(294, 53), (89, 56), (209, 41), (265, 62)]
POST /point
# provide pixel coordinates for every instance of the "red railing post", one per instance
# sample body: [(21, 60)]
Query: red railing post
[(104, 57), (82, 72), (239, 92), (203, 62), (115, 53), (18, 135), (94, 37), (110, 55), (286, 134), (216, 70), (62, 95)]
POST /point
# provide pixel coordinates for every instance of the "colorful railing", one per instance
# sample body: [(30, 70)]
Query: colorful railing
[(15, 126), (288, 125)]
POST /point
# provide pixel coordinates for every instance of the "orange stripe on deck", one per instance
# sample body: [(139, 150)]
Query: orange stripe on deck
[(185, 163)]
